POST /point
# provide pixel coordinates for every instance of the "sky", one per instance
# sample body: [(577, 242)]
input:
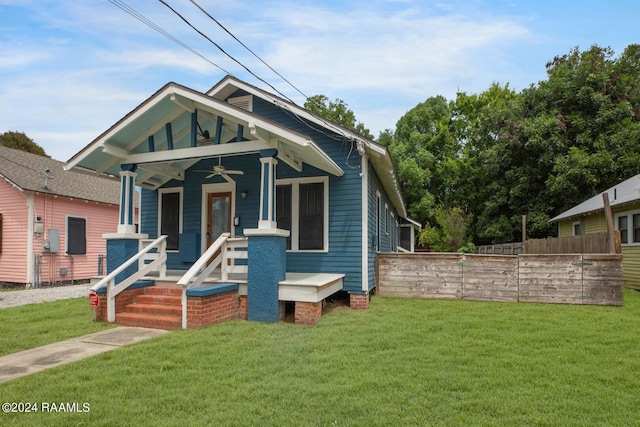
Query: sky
[(70, 69)]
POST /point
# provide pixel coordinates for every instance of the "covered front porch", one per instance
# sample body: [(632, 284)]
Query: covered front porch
[(216, 288), (206, 168)]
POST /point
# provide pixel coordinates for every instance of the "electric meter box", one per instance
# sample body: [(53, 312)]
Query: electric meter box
[(52, 243)]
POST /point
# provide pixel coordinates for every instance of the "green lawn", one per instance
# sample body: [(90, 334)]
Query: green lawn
[(33, 325), (402, 362)]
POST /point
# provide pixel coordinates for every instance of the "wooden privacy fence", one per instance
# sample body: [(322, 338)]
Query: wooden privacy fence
[(565, 278), (593, 243)]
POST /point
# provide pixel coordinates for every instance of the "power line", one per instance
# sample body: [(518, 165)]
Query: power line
[(128, 9), (224, 51), (140, 17), (246, 47)]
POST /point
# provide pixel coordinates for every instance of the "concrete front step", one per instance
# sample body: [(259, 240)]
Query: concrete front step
[(144, 320)]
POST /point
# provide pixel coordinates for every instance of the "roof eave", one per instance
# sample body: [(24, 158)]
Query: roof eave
[(371, 147)]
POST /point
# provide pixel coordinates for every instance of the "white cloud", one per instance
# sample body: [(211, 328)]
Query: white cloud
[(405, 52), (90, 64), (382, 64)]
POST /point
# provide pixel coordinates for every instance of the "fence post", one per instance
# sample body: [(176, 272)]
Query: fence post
[(610, 231)]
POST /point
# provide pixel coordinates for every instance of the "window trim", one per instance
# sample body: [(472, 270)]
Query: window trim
[(387, 220), (378, 219), (161, 192), (629, 215), (295, 211), (573, 228), (394, 232), (66, 224)]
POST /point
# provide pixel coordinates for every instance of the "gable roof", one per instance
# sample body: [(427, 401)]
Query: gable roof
[(377, 153), (27, 172), (169, 113), (620, 194)]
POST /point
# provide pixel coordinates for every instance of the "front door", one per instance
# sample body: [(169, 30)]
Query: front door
[(218, 215)]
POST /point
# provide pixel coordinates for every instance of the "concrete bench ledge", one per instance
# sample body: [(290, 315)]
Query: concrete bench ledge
[(208, 290), (309, 287)]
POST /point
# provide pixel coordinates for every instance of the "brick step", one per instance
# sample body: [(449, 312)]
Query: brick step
[(154, 309), (144, 320), (163, 290), (159, 299)]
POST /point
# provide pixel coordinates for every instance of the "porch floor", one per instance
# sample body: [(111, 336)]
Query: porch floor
[(302, 287)]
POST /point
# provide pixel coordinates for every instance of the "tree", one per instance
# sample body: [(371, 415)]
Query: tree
[(338, 112), (448, 234), (20, 141), (425, 153), (499, 154)]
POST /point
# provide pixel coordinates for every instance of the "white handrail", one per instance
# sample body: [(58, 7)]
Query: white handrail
[(199, 271), (201, 264), (158, 264)]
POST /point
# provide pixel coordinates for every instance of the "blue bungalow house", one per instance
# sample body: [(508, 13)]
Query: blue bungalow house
[(248, 202)]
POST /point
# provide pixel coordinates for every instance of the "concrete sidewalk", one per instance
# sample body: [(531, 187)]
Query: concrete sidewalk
[(38, 359)]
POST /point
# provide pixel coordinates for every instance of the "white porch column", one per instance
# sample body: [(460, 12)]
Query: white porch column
[(128, 175), (267, 250), (267, 219)]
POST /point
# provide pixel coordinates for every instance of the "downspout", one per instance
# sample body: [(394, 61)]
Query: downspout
[(30, 221), (364, 167)]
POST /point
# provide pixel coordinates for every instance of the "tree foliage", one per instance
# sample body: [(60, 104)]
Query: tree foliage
[(495, 156), (20, 141), (338, 112)]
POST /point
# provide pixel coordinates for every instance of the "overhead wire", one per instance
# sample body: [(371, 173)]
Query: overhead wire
[(186, 21), (140, 17), (131, 11), (247, 47)]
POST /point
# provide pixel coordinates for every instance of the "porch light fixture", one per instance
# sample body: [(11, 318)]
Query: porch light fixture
[(244, 195)]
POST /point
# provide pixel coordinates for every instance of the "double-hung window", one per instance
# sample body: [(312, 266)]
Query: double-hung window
[(628, 223), (170, 215), (302, 207)]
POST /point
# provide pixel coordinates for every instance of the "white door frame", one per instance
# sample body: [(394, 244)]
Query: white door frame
[(223, 187)]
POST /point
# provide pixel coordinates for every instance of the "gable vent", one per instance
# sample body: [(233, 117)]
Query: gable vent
[(244, 102)]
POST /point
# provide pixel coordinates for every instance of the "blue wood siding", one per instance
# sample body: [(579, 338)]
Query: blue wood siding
[(345, 204), (345, 208), (384, 239)]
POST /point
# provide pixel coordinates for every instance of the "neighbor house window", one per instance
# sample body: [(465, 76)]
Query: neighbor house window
[(577, 229), (628, 223), (302, 208), (170, 215), (76, 235), (623, 227)]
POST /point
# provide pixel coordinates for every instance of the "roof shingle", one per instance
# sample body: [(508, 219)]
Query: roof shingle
[(27, 171)]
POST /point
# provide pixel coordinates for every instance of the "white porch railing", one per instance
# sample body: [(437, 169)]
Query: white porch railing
[(158, 264), (226, 250)]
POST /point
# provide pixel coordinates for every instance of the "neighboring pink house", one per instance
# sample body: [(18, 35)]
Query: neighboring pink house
[(52, 220)]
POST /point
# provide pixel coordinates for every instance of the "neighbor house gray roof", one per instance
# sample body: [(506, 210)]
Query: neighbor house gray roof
[(27, 171), (620, 194)]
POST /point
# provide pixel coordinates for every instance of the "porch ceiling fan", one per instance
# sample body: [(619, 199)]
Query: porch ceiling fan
[(219, 170)]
